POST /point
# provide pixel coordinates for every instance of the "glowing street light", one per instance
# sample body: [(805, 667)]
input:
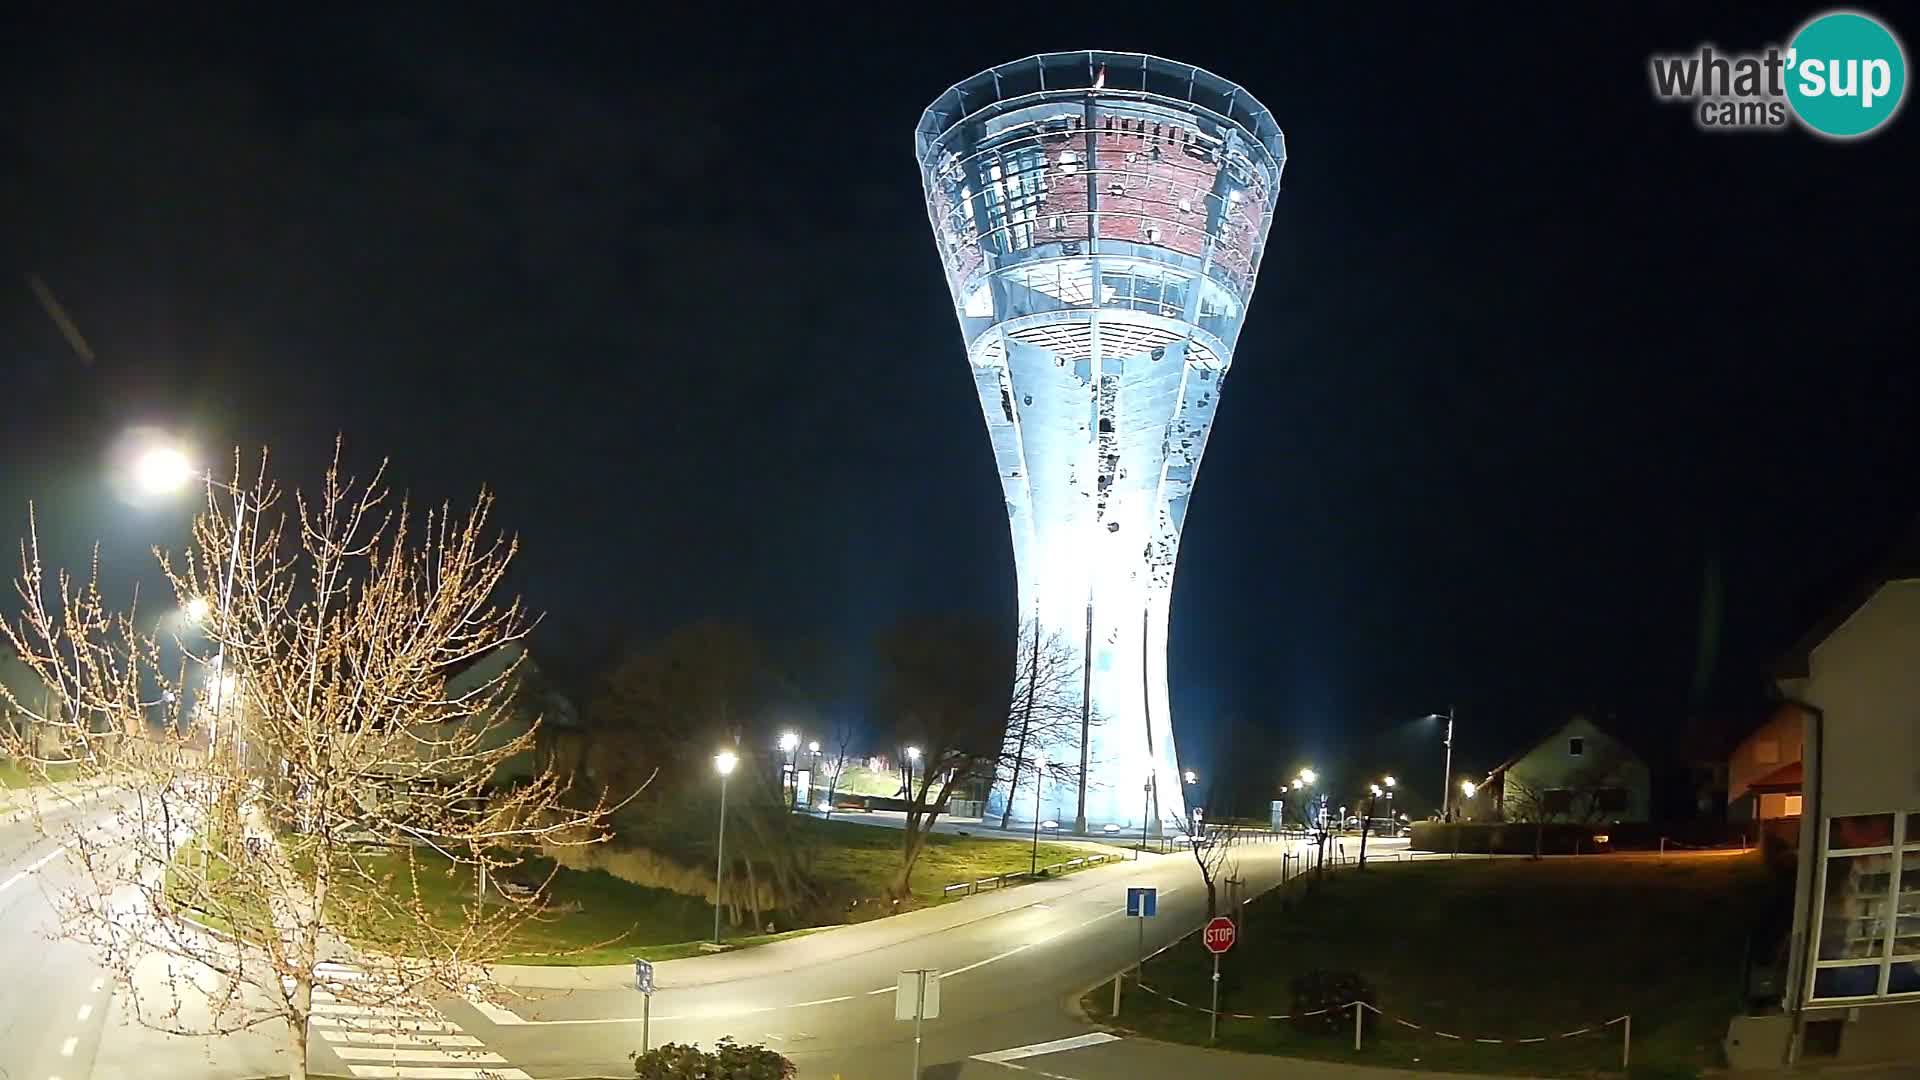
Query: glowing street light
[(1390, 781), (1467, 788), (789, 742), (813, 748), (162, 470), (1192, 777), (913, 753), (723, 763), (1309, 776), (196, 609), (1375, 788)]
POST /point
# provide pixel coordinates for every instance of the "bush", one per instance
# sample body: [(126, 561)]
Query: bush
[(728, 1061), (1326, 994)]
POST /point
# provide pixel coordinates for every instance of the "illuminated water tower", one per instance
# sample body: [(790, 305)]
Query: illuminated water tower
[(1101, 217)]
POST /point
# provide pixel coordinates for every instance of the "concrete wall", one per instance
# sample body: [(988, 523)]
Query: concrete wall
[(1865, 680)]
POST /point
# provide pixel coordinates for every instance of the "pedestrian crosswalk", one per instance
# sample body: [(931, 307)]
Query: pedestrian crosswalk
[(396, 1036)]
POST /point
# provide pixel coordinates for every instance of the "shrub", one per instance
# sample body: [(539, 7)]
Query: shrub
[(727, 1061), (1326, 994)]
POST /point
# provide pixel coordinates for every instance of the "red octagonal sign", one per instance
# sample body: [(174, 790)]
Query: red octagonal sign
[(1218, 936)]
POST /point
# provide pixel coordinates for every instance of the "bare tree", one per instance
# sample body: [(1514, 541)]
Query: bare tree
[(297, 794), (1524, 802), (1214, 851), (1043, 707), (840, 740)]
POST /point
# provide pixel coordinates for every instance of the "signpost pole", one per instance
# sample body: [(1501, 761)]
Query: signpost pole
[(1116, 994), (919, 1009), (1140, 968), (1213, 1019), (646, 1021), (1357, 1007)]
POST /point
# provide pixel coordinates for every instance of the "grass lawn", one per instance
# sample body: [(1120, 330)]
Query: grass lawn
[(1503, 949), (863, 859), (15, 775)]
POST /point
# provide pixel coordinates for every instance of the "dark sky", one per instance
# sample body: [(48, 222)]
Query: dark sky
[(1529, 354)]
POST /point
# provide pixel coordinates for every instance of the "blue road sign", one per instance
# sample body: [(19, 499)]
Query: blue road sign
[(643, 976), (1142, 902)]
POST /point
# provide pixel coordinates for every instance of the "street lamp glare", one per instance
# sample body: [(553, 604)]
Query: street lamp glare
[(724, 761), (1192, 777), (196, 609), (162, 470), (1467, 788), (813, 748), (1309, 775), (1298, 783), (788, 741), (913, 753), (1391, 781), (1375, 788)]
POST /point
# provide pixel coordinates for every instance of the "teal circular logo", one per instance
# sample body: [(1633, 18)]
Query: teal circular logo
[(1846, 74)]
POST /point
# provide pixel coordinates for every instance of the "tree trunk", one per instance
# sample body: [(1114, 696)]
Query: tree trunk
[(1364, 822), (297, 1058), (1213, 898)]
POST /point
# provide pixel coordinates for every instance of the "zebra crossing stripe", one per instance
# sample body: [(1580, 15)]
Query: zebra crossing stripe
[(396, 1056), (341, 1008), (438, 1072), (397, 1038), (383, 1023)]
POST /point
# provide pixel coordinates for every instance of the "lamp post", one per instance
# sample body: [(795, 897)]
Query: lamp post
[(1467, 789), (789, 765), (723, 763), (1446, 777), (1039, 770), (1146, 811)]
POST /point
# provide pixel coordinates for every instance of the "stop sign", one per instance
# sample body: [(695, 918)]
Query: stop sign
[(1218, 936)]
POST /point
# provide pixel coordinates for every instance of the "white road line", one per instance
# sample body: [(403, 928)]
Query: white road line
[(440, 1073), (884, 990), (1092, 1038), (499, 1014), (381, 1023), (396, 1038), (66, 1048), (85, 1011), (417, 1056), (38, 863), (821, 1001), (344, 1008)]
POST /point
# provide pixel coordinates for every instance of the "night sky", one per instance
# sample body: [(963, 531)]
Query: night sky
[(1532, 365)]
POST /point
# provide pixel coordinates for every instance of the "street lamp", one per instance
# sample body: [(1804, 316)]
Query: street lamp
[(1446, 774), (1467, 788), (913, 756), (162, 470), (1039, 772), (789, 767), (1192, 777), (723, 763), (196, 609), (1390, 781)]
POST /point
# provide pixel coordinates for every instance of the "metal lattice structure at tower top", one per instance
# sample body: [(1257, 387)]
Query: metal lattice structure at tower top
[(1101, 217)]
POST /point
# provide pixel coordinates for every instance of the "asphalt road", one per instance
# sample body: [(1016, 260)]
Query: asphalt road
[(54, 998), (1004, 979)]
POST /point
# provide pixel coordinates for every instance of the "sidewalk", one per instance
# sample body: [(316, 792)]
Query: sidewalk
[(1133, 1056), (131, 1051), (825, 946)]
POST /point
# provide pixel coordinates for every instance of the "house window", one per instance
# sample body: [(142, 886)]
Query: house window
[(1766, 752), (1869, 908), (1576, 746), (1792, 808)]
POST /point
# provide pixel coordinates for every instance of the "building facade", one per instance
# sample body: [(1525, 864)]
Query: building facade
[(1580, 773), (1764, 773), (1101, 219), (1856, 937)]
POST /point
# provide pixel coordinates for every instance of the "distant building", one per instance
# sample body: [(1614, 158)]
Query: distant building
[(1764, 773), (1580, 773)]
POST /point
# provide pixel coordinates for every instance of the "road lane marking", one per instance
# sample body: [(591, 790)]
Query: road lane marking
[(85, 1011), (38, 863), (438, 1073), (1092, 1038), (66, 1048), (397, 1038), (394, 1056), (822, 1001), (496, 1013)]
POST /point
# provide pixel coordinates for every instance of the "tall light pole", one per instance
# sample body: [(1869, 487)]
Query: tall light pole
[(1446, 780), (790, 764), (913, 755), (1039, 768), (723, 763)]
